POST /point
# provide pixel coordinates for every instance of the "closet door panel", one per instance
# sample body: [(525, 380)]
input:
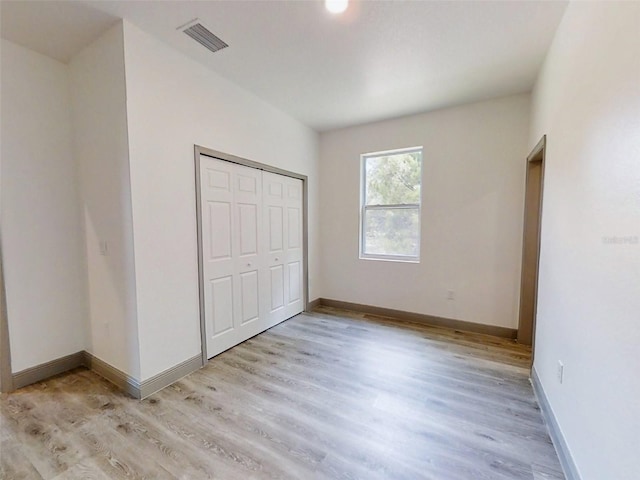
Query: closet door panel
[(248, 207), (252, 251), (222, 304), (250, 296), (294, 299), (283, 207), (295, 291), (276, 229), (248, 224), (218, 223), (275, 236), (276, 287), (231, 197)]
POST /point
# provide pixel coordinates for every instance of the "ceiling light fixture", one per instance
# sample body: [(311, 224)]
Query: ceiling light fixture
[(336, 6)]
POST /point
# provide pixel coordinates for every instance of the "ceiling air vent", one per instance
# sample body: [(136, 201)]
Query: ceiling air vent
[(203, 36)]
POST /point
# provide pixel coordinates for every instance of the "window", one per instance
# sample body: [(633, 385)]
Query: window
[(390, 205)]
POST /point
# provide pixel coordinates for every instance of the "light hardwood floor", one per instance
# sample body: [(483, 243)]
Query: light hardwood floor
[(331, 394)]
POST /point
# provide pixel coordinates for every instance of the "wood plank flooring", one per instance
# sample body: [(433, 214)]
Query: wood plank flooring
[(328, 395)]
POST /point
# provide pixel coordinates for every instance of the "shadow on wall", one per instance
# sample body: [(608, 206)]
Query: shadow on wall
[(112, 302)]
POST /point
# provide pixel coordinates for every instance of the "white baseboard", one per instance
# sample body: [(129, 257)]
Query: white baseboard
[(494, 330), (47, 370), (169, 376), (564, 454), (123, 381)]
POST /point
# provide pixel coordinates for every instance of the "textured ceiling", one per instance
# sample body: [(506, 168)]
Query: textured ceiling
[(377, 60)]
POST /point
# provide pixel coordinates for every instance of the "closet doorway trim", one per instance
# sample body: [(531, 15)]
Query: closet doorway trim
[(198, 151)]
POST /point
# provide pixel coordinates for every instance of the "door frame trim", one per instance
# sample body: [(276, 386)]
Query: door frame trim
[(6, 377), (199, 150), (538, 154)]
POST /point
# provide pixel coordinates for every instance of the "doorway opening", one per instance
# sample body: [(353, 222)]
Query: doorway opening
[(531, 244)]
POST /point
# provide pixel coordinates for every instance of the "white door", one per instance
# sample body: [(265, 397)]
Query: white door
[(231, 197), (252, 251), (283, 238)]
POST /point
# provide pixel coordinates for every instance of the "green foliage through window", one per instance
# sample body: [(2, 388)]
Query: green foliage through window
[(393, 179), (391, 204)]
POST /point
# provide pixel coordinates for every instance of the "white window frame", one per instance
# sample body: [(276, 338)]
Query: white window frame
[(364, 207)]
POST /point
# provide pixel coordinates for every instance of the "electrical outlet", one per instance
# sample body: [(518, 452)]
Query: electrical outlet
[(560, 371), (451, 295)]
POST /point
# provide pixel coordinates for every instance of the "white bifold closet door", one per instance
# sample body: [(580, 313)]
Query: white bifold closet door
[(283, 240), (252, 251)]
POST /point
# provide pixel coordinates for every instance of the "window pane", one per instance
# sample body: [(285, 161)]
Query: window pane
[(393, 179), (391, 232)]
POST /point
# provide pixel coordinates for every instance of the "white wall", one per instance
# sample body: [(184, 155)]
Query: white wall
[(41, 220), (587, 100), (102, 153), (174, 103), (473, 189)]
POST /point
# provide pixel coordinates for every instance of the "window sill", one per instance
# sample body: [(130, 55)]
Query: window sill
[(390, 259)]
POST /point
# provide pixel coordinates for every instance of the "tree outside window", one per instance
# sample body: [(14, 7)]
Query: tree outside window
[(391, 198)]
